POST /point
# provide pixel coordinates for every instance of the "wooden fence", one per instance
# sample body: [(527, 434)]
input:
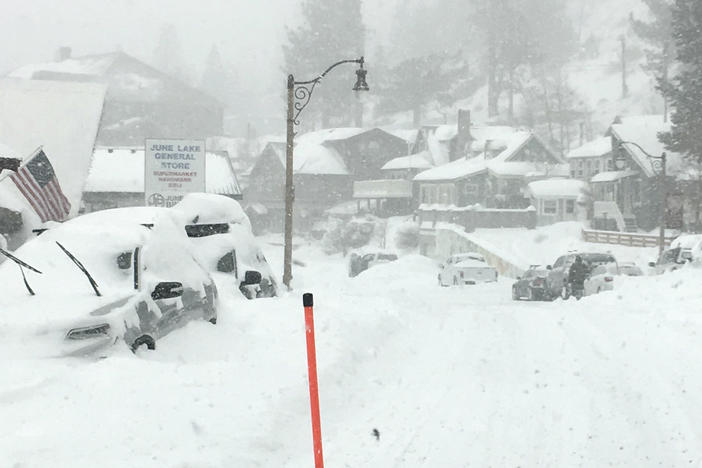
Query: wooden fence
[(623, 238)]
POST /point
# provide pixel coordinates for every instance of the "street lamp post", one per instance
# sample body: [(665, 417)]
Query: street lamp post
[(299, 94), (658, 163)]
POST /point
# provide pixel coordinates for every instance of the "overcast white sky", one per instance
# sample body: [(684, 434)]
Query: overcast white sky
[(248, 32)]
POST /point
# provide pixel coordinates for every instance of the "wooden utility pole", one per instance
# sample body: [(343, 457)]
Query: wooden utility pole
[(625, 88), (289, 187)]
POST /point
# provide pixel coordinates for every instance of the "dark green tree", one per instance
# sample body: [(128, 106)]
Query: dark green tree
[(415, 83), (684, 90), (331, 30)]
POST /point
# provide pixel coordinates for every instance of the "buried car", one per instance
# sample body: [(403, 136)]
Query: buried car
[(361, 261), (466, 268), (532, 285), (93, 282), (221, 233)]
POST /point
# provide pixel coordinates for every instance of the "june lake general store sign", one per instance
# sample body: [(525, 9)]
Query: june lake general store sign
[(172, 168)]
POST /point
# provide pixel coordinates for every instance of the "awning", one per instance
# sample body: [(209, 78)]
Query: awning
[(381, 189)]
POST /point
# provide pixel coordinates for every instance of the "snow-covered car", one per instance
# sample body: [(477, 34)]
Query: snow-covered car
[(630, 269), (221, 233), (96, 280), (466, 268), (363, 260), (557, 279), (532, 285), (601, 278), (684, 249)]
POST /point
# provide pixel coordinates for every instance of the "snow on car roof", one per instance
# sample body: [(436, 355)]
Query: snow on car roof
[(687, 241), (206, 208), (471, 263)]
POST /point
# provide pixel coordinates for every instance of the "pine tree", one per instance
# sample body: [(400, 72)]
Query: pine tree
[(218, 80), (332, 30), (416, 82), (658, 33), (684, 90), (168, 54)]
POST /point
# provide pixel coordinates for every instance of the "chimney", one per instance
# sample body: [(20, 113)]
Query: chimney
[(463, 137), (63, 53)]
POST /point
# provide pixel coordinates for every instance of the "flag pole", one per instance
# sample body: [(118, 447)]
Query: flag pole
[(23, 161)]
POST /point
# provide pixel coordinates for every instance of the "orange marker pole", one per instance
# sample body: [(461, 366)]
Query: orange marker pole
[(308, 303)]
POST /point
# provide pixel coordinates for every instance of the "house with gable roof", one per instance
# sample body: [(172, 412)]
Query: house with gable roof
[(496, 164), (141, 102), (326, 164), (630, 191)]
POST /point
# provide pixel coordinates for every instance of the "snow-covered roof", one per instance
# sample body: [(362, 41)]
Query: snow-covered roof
[(596, 148), (408, 135), (458, 169), (91, 65), (611, 176), (498, 165), (63, 117), (643, 130), (317, 159), (122, 170), (557, 188), (413, 161), (446, 132), (329, 134), (8, 152)]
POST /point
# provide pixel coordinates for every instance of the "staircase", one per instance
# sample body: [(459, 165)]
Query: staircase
[(630, 224)]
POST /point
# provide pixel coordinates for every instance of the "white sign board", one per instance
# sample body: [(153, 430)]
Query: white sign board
[(172, 168)]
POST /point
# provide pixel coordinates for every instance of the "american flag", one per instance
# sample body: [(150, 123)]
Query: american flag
[(37, 181)]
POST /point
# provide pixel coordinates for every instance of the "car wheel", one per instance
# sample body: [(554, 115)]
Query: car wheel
[(143, 340), (213, 320), (515, 296)]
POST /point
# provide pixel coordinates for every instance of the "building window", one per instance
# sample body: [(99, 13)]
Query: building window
[(570, 206), (610, 164), (580, 168), (549, 207), (471, 190)]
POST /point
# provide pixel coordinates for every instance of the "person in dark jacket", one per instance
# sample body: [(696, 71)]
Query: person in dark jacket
[(577, 273)]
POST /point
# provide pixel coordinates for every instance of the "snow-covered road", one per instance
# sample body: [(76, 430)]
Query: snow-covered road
[(448, 376)]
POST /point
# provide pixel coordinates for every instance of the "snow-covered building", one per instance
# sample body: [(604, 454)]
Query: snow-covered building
[(61, 117), (632, 186), (116, 178), (494, 170), (326, 164), (558, 199), (591, 158), (141, 102)]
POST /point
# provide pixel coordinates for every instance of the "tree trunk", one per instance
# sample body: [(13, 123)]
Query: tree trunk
[(417, 116)]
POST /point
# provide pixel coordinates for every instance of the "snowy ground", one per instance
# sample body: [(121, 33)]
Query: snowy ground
[(450, 377)]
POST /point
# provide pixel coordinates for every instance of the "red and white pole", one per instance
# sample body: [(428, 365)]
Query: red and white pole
[(308, 303)]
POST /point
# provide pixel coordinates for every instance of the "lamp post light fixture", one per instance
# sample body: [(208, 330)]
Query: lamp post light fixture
[(658, 164), (299, 94)]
